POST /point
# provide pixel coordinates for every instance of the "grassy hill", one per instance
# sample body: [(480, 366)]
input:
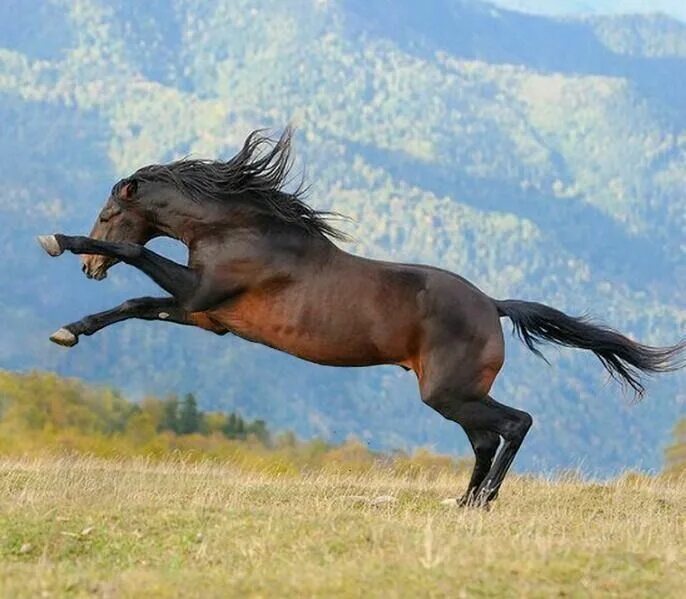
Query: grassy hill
[(541, 158), (102, 497), (83, 527)]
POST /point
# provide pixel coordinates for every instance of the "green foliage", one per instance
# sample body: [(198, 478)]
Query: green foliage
[(189, 416), (170, 415), (44, 413), (235, 427), (42, 408)]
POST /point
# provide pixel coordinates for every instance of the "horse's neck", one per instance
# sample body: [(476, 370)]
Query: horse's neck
[(244, 243), (207, 224), (189, 223)]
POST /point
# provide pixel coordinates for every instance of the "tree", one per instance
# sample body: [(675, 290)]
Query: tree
[(235, 427), (155, 408), (170, 415), (213, 422), (258, 428), (189, 416)]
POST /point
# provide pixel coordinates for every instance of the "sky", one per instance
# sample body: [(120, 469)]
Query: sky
[(674, 8)]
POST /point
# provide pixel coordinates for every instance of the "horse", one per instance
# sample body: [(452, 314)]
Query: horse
[(264, 265)]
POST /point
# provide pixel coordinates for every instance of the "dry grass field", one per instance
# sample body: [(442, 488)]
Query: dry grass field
[(93, 527)]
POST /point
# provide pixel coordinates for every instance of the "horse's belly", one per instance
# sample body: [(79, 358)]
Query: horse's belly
[(306, 334)]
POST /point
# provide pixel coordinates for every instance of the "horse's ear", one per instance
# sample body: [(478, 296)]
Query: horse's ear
[(128, 190)]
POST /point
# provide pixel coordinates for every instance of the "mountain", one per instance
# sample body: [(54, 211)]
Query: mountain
[(543, 159), (673, 8)]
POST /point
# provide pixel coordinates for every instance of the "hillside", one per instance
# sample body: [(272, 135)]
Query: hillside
[(673, 8), (542, 159), (86, 527)]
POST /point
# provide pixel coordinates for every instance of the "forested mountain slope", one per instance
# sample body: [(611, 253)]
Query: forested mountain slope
[(542, 159)]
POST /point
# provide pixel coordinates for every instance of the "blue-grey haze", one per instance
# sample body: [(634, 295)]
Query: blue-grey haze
[(542, 158)]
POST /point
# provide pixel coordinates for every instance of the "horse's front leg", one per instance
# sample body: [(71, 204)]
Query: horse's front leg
[(178, 280), (145, 308)]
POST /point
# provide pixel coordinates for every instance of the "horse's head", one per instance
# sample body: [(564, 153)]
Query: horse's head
[(123, 218)]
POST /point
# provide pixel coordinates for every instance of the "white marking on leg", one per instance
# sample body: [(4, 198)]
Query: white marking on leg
[(163, 315)]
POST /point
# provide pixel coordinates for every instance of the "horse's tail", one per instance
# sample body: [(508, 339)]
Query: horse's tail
[(623, 358)]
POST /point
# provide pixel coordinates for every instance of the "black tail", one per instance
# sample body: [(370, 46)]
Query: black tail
[(623, 358)]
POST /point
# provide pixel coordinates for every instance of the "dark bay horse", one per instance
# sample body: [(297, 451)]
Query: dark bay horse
[(262, 265)]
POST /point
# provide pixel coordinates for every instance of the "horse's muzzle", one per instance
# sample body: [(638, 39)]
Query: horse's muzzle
[(96, 267)]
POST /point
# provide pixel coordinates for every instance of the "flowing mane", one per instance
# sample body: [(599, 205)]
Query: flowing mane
[(258, 173)]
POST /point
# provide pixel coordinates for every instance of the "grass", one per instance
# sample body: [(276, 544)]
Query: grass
[(85, 526)]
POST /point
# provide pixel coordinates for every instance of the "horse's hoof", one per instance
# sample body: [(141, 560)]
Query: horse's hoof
[(50, 244), (64, 337), (470, 501)]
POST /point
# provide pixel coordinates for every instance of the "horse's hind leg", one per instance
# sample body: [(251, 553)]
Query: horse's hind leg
[(515, 426), (485, 414), (456, 384), (485, 445)]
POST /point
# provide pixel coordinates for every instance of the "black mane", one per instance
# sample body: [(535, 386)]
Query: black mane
[(258, 173)]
